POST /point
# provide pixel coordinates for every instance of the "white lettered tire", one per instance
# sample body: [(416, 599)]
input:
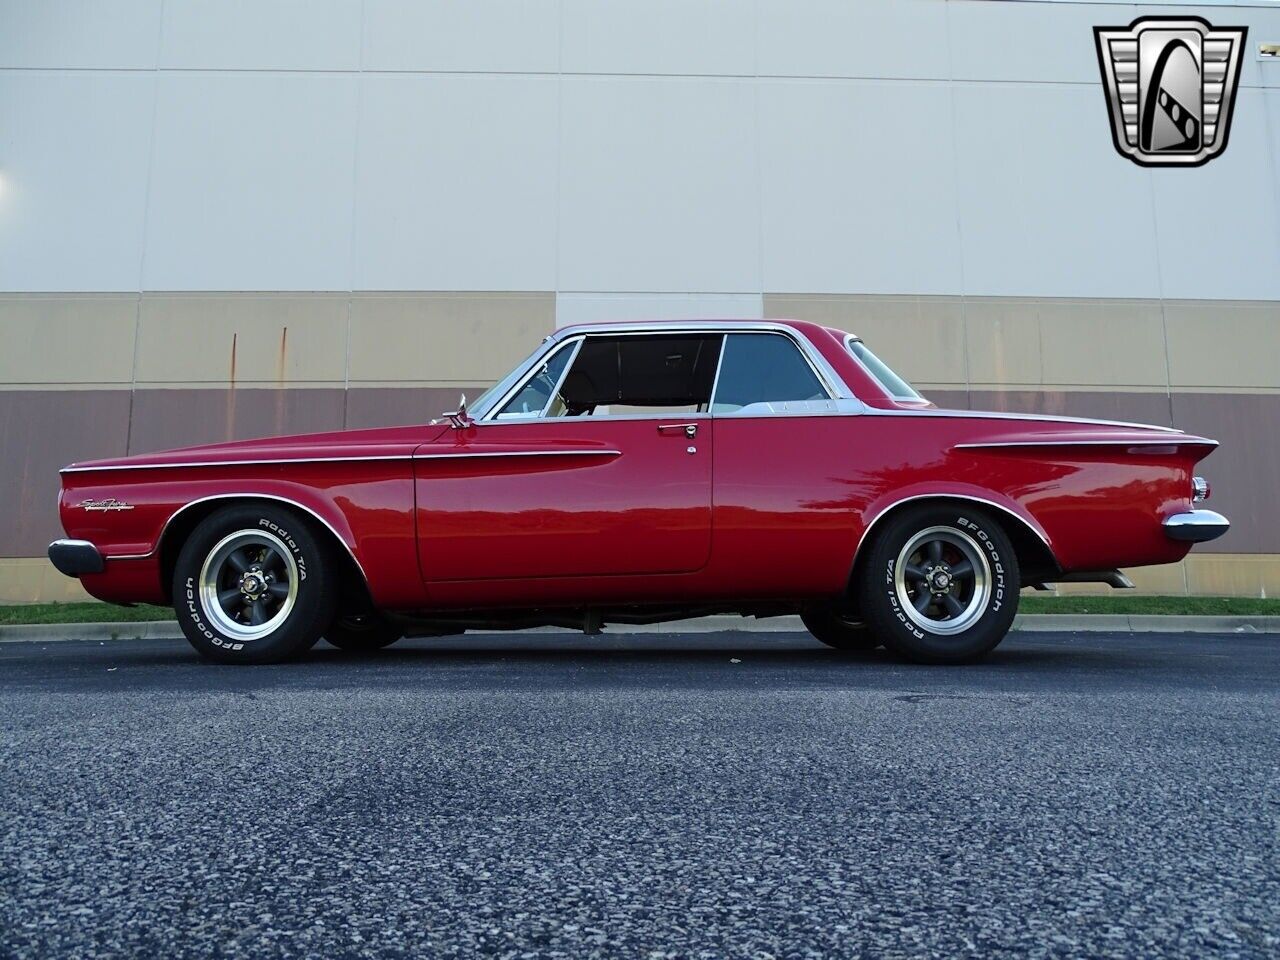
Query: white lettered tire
[(252, 584), (940, 584)]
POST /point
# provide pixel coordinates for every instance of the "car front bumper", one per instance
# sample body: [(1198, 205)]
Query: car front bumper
[(1196, 526), (76, 557)]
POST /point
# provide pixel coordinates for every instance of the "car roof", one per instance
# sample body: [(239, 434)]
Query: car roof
[(692, 324)]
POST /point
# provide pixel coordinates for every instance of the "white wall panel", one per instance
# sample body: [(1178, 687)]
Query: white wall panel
[(73, 179), (252, 183), (505, 36), (857, 192), (659, 36), (1217, 229), (457, 183), (121, 34), (1042, 42), (839, 38), (588, 307), (253, 35), (658, 187), (1047, 206), (1262, 17)]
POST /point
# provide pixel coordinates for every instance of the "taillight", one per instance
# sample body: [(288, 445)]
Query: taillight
[(1199, 489)]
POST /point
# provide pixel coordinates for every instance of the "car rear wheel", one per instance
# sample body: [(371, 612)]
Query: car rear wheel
[(362, 633), (941, 584), (252, 584), (839, 630)]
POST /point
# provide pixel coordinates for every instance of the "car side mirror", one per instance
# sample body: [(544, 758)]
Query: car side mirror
[(459, 419)]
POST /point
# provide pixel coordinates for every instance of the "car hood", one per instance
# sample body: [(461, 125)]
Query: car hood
[(381, 442)]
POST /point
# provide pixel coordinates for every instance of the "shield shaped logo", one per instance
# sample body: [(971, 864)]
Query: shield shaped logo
[(1171, 85)]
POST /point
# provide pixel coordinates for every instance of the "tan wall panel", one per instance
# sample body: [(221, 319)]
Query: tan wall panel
[(449, 337), (1227, 575), (70, 340), (1223, 344), (1003, 342), (921, 337), (1102, 343), (259, 339), (34, 580)]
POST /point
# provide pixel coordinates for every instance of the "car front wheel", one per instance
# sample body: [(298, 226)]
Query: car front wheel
[(940, 584), (252, 584)]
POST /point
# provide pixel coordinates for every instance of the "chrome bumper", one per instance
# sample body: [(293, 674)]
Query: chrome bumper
[(75, 557), (1197, 526)]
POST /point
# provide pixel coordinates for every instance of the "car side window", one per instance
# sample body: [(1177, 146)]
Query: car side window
[(639, 374), (531, 400), (763, 368)]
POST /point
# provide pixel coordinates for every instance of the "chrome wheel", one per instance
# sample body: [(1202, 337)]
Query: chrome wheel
[(943, 580), (248, 584)]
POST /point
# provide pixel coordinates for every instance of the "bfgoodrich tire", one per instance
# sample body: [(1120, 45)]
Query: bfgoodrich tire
[(253, 584), (940, 584)]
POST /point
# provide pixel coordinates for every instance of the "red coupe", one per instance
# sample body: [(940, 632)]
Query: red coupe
[(635, 473)]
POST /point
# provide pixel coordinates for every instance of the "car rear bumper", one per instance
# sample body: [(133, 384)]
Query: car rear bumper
[(75, 557), (1196, 526)]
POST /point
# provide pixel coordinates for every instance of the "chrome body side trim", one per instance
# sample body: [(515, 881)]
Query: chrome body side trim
[(233, 463), (866, 533), (1050, 442), (242, 496), (1196, 526), (476, 454), (999, 415)]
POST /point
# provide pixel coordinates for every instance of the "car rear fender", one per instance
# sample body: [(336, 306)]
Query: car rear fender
[(1035, 550)]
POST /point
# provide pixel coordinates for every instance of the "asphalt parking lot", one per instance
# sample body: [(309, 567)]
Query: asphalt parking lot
[(713, 795)]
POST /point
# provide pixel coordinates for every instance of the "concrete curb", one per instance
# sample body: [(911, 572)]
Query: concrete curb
[(1029, 623)]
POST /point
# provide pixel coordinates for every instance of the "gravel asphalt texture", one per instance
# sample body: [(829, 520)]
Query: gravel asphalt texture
[(713, 795)]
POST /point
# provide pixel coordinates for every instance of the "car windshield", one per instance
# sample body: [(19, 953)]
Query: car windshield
[(896, 387), (480, 406)]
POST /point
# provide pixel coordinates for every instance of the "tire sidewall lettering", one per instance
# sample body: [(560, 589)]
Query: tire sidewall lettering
[(998, 587)]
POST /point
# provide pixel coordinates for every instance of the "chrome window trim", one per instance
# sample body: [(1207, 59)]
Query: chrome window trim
[(240, 496), (494, 412), (849, 340), (830, 381), (724, 343)]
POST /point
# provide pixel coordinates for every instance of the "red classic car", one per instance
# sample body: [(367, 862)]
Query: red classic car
[(635, 473)]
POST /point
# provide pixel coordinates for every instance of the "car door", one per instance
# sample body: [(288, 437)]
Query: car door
[(549, 488)]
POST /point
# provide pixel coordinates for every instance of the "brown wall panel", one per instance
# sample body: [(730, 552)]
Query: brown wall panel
[(1244, 472), (392, 406), (163, 419), (42, 431)]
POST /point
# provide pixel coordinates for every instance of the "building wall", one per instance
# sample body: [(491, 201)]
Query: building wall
[(230, 219)]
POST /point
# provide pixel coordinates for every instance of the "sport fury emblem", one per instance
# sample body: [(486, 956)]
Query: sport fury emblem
[(1170, 85)]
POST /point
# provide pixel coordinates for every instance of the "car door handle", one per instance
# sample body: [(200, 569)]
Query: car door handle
[(690, 430)]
